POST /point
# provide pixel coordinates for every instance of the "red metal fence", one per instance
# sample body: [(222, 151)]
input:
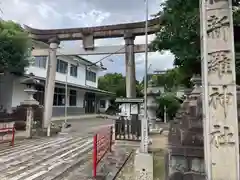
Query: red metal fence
[(102, 143), (7, 129)]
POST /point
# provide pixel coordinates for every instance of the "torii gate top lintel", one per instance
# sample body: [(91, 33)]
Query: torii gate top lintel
[(98, 32)]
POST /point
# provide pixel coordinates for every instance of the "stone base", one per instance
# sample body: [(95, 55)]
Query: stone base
[(143, 166), (29, 102)]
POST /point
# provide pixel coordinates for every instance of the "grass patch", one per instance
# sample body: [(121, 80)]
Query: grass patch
[(159, 165), (127, 172)]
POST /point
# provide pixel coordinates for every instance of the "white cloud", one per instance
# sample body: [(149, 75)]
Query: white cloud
[(47, 11), (156, 61), (37, 14), (91, 18), (99, 16), (78, 17)]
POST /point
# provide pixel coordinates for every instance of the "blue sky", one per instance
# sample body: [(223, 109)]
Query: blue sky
[(46, 14)]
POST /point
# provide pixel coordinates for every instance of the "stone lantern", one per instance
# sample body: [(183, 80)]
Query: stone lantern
[(30, 102), (30, 83), (152, 93), (197, 82)]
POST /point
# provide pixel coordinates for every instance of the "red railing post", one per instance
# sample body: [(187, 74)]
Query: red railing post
[(95, 156), (102, 143), (13, 136)]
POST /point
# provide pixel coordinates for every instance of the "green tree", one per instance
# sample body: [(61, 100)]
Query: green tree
[(113, 82), (170, 81), (116, 82), (139, 89), (180, 33), (15, 48), (169, 101)]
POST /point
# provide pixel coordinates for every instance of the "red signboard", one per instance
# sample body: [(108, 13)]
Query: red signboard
[(102, 143)]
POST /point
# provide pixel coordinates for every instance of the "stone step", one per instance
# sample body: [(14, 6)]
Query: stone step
[(47, 160)]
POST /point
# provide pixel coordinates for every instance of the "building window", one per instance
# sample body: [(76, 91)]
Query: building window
[(39, 95), (90, 76), (73, 98), (73, 70), (62, 66), (59, 97), (102, 103), (40, 61)]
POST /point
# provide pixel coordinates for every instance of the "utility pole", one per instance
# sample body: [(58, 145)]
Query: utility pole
[(143, 160), (66, 95), (144, 122)]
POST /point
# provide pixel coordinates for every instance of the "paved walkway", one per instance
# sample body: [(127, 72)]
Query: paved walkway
[(63, 157), (47, 159)]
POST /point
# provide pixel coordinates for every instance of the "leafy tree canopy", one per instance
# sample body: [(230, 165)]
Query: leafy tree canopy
[(116, 82), (169, 101), (170, 81), (113, 82), (180, 33), (14, 48)]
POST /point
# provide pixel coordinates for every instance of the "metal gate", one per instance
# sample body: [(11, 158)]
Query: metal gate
[(129, 130)]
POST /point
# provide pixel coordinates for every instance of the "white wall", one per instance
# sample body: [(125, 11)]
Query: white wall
[(6, 89), (81, 75), (18, 95), (79, 80), (93, 84), (90, 83), (80, 98), (39, 72)]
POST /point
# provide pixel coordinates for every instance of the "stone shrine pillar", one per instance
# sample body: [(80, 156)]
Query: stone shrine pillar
[(130, 65), (221, 144), (50, 83)]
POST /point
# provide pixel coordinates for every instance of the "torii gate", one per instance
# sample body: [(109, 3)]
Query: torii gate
[(54, 36)]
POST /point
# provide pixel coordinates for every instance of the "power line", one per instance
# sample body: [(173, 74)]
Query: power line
[(92, 63), (107, 56), (95, 63)]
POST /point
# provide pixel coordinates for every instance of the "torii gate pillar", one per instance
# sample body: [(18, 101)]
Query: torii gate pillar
[(50, 84), (130, 65)]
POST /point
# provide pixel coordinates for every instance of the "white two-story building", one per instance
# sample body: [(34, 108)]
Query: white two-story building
[(75, 74)]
